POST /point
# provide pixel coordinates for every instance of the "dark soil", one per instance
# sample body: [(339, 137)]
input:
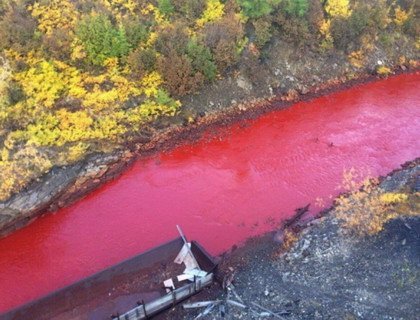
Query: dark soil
[(327, 274)]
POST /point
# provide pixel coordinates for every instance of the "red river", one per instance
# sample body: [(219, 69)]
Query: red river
[(220, 191)]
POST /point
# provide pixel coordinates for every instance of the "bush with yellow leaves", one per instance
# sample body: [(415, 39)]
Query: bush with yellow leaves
[(338, 8), (213, 12), (54, 15), (366, 208), (356, 58), (383, 71)]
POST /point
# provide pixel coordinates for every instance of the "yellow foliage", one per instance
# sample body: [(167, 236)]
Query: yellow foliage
[(392, 198), (73, 154), (383, 71), (63, 126), (153, 36), (77, 50), (418, 43), (58, 14), (150, 110), (106, 90), (213, 12), (325, 30), (402, 60), (4, 154), (150, 9), (366, 210), (357, 58), (401, 16), (353, 179), (109, 127), (150, 83), (290, 238), (41, 83), (338, 8)]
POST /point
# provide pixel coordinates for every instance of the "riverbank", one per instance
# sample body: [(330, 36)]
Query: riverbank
[(63, 186), (327, 272), (72, 117), (222, 191)]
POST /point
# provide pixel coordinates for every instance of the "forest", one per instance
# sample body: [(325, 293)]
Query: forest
[(84, 76)]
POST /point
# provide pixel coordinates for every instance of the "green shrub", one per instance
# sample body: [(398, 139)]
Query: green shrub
[(202, 60), (257, 8), (101, 40), (163, 98), (135, 32), (165, 7), (297, 8)]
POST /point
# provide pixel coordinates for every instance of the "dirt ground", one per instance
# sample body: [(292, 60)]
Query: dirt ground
[(326, 274)]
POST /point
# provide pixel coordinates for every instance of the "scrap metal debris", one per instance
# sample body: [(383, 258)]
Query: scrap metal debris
[(179, 287), (206, 311), (169, 285), (199, 304), (192, 270), (234, 300), (186, 256)]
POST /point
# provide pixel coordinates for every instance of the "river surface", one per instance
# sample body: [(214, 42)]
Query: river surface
[(220, 191)]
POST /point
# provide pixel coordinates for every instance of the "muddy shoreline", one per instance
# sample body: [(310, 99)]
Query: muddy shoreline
[(65, 185)]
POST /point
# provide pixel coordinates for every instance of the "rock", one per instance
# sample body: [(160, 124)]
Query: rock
[(244, 84), (303, 89), (28, 203)]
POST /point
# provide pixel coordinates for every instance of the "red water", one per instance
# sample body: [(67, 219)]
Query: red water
[(221, 192)]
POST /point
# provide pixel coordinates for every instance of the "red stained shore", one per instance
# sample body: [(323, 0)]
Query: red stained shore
[(221, 192)]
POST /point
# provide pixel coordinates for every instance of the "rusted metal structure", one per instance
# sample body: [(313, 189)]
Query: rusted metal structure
[(132, 289)]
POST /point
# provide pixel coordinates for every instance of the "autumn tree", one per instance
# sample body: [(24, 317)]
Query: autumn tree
[(223, 38), (179, 74), (173, 38), (190, 9)]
